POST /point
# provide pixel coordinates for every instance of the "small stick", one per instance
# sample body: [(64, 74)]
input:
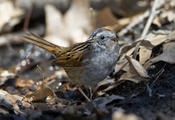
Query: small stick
[(27, 19), (138, 20), (41, 71), (151, 17), (134, 23), (81, 91)]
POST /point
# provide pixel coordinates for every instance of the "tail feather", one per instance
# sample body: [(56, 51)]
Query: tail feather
[(36, 40)]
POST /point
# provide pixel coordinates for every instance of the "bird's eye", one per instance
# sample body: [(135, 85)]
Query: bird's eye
[(102, 37)]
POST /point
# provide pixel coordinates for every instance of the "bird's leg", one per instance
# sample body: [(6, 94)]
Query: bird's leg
[(81, 91)]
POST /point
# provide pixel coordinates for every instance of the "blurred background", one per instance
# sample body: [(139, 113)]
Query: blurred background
[(141, 86), (62, 22)]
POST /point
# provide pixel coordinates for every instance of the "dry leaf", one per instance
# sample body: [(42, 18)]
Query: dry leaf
[(168, 54), (42, 93), (10, 101), (120, 66), (136, 68), (144, 54), (120, 115), (10, 16), (24, 83), (6, 75), (131, 48), (125, 50), (78, 21), (157, 21), (169, 15), (135, 72), (130, 76), (166, 14), (55, 28), (157, 39), (72, 27), (128, 46)]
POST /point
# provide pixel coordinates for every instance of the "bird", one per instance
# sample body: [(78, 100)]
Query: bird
[(86, 63)]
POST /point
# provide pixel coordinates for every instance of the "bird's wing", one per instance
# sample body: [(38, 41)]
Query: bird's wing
[(73, 56)]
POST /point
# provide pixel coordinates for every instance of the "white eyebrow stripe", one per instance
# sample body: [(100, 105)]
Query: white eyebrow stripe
[(106, 33)]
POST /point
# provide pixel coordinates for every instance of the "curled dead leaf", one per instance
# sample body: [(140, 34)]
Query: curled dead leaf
[(136, 68), (135, 72), (42, 93), (144, 54)]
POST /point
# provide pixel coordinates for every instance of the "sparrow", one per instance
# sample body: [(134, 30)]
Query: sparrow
[(86, 63)]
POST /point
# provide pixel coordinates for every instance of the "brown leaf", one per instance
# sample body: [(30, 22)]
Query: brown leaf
[(132, 48), (127, 50), (42, 93), (144, 54), (135, 72), (24, 83), (128, 46), (157, 21), (101, 16), (136, 68), (120, 66)]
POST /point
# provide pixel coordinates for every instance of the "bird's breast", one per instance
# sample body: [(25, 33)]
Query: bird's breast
[(94, 69)]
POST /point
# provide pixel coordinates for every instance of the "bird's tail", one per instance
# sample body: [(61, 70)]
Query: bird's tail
[(37, 40)]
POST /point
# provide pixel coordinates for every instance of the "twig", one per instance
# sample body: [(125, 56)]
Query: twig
[(81, 91), (150, 87), (41, 71), (132, 24), (27, 19), (139, 20), (151, 17)]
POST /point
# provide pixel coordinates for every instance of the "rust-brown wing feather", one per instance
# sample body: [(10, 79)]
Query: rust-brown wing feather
[(72, 57), (65, 56)]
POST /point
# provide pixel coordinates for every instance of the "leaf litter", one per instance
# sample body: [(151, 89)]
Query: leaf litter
[(125, 94)]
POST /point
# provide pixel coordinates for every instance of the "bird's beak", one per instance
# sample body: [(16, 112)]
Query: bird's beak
[(91, 40)]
